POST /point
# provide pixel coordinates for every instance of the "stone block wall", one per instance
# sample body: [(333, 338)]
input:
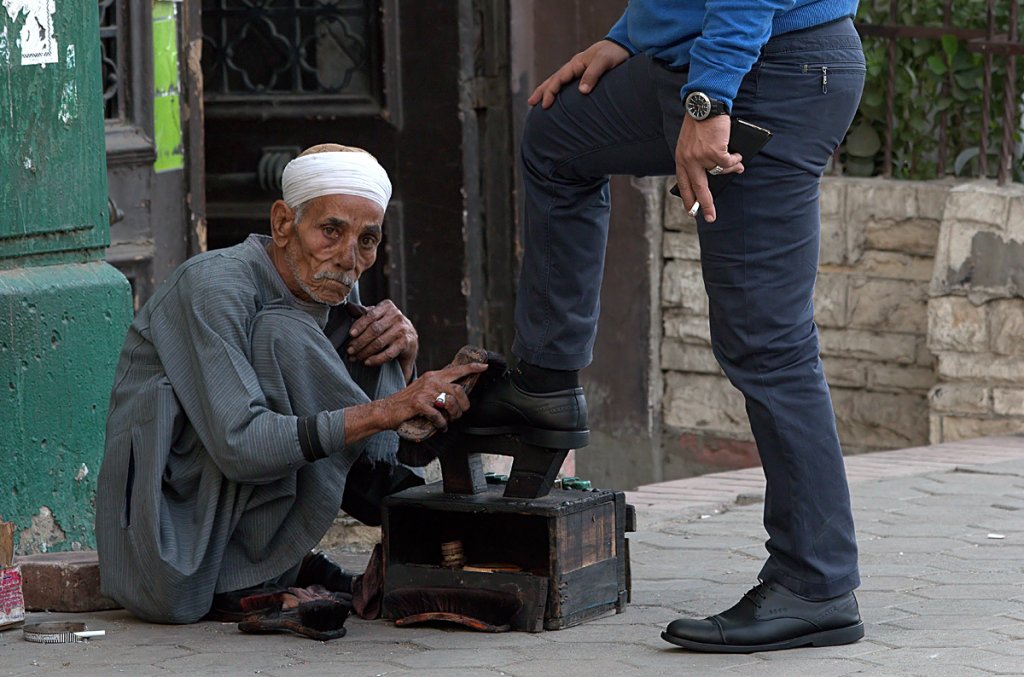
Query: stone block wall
[(904, 370), (976, 314), (879, 240)]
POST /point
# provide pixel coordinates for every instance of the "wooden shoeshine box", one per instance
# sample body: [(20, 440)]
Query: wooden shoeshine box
[(570, 545)]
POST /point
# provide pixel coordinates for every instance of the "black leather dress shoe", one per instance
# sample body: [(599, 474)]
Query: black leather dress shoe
[(768, 618), (318, 569), (556, 420)]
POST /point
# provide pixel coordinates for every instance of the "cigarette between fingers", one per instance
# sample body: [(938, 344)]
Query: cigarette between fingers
[(694, 208)]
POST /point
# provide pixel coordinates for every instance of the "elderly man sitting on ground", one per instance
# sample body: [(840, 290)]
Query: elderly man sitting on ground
[(236, 429)]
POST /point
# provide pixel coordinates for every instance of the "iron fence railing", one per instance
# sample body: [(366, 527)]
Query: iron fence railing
[(999, 44)]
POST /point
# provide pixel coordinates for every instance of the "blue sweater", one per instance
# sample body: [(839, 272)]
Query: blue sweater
[(719, 39)]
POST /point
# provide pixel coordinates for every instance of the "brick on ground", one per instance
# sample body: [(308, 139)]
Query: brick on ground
[(63, 581)]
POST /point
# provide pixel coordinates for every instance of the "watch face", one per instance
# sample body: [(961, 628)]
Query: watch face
[(698, 105)]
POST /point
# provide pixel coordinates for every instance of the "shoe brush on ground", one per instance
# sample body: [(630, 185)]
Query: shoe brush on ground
[(482, 610)]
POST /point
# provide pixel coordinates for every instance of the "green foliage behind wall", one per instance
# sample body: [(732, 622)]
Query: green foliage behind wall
[(935, 79)]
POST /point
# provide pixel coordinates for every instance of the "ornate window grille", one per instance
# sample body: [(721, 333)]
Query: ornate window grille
[(294, 51), (111, 55)]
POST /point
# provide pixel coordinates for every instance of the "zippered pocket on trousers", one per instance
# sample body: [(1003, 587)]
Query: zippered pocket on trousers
[(835, 67)]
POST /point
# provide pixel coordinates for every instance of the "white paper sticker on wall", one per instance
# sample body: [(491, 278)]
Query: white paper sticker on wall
[(38, 43)]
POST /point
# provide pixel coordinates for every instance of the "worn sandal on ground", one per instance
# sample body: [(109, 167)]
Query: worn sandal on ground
[(319, 619), (227, 607), (291, 598)]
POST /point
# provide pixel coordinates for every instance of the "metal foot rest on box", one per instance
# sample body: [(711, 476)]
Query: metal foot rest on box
[(533, 471)]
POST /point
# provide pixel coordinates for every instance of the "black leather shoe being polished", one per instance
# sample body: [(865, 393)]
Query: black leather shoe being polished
[(768, 618), (556, 420)]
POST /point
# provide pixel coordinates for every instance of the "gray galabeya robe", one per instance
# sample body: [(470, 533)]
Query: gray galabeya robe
[(205, 486)]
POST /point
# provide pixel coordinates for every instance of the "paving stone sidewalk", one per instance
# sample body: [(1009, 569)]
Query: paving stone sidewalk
[(941, 532)]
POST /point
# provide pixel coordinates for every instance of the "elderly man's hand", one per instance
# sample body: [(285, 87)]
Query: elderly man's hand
[(384, 334), (419, 398)]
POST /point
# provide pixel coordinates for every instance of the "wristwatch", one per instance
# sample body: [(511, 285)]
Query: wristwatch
[(700, 106)]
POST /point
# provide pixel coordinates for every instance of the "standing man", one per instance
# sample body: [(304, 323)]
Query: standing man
[(236, 429), (655, 98)]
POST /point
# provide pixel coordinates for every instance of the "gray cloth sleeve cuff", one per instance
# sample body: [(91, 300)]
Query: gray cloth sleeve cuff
[(330, 425), (309, 438), (321, 435)]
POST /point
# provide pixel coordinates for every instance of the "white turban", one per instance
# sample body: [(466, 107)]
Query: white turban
[(335, 173)]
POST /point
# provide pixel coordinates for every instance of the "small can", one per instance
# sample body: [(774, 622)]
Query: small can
[(452, 555)]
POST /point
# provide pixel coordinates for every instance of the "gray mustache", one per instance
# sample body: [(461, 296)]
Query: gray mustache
[(337, 277)]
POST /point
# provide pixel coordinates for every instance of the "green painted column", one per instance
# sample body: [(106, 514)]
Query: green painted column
[(63, 311)]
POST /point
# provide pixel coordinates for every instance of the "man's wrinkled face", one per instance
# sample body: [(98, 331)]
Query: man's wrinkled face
[(330, 246)]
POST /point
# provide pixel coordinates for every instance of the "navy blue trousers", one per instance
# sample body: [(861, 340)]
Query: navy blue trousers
[(759, 262)]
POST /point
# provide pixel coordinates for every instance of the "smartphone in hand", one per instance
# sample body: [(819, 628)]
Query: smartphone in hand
[(744, 138)]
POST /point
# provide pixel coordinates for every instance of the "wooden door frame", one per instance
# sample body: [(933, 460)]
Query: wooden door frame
[(152, 241), (193, 114), (489, 161), (129, 138)]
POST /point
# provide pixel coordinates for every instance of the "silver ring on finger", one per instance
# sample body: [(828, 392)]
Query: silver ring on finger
[(716, 170), (441, 401)]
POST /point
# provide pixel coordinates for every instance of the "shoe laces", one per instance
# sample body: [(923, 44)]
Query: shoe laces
[(757, 594)]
